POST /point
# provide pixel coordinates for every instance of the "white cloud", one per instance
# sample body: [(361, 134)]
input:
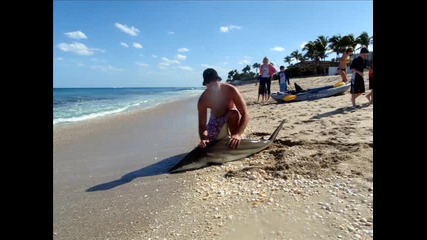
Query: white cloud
[(180, 57), (141, 64), (77, 48), (183, 49), (277, 49), (186, 68), (165, 63), (206, 66), (76, 35), (137, 45), (244, 62), (166, 60), (107, 68), (223, 29), (124, 44), (133, 31), (171, 33), (229, 28), (98, 49), (163, 66)]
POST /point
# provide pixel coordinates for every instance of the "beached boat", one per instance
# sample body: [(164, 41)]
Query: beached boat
[(311, 94)]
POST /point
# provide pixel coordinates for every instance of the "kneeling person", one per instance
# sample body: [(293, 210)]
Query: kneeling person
[(228, 110)]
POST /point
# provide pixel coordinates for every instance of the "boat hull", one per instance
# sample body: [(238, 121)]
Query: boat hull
[(311, 94)]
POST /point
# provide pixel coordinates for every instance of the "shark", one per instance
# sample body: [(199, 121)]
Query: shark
[(217, 152)]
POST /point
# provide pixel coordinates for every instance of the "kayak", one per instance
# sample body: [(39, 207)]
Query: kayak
[(311, 94)]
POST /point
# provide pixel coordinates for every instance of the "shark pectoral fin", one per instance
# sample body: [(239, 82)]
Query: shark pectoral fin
[(223, 133)]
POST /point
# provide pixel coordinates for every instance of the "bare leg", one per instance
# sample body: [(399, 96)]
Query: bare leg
[(353, 98), (233, 121), (343, 75)]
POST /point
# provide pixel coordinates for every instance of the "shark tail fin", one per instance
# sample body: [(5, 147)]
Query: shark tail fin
[(274, 135)]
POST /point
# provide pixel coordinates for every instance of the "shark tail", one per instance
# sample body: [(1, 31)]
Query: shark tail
[(274, 135)]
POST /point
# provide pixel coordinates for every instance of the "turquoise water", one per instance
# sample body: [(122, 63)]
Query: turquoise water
[(79, 104)]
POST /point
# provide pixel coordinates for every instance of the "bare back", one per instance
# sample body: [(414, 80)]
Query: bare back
[(345, 60), (223, 99), (219, 100)]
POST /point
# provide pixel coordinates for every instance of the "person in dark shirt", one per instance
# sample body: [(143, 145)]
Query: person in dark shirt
[(370, 96), (357, 82)]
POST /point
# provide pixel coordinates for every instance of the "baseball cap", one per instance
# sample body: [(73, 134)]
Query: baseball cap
[(210, 75), (364, 50)]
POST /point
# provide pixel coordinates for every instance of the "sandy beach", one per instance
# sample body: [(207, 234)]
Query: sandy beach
[(314, 182)]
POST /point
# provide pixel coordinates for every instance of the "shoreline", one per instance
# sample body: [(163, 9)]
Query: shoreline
[(128, 112), (114, 169), (314, 182)]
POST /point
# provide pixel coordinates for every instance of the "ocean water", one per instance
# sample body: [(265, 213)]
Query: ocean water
[(79, 104)]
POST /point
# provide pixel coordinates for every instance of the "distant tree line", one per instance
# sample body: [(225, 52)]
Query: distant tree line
[(312, 59)]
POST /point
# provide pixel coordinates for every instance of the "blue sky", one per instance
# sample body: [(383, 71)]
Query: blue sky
[(171, 43)]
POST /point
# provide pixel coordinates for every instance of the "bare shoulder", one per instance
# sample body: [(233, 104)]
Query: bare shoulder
[(233, 92), (229, 87), (202, 98)]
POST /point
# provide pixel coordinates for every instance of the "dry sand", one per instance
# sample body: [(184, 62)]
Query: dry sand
[(314, 182)]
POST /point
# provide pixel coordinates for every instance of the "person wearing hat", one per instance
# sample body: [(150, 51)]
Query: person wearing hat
[(357, 82), (228, 111)]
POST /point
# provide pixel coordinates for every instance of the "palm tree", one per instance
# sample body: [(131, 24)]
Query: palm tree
[(256, 67), (335, 44), (364, 39), (349, 41), (311, 52), (236, 75), (288, 60), (230, 75), (245, 71), (321, 45), (310, 49), (296, 55)]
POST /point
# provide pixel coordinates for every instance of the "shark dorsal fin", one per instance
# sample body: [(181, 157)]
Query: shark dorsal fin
[(274, 135)]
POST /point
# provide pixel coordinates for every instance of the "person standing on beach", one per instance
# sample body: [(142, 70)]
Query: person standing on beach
[(283, 79), (266, 72), (370, 95), (228, 110), (357, 82), (345, 60)]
